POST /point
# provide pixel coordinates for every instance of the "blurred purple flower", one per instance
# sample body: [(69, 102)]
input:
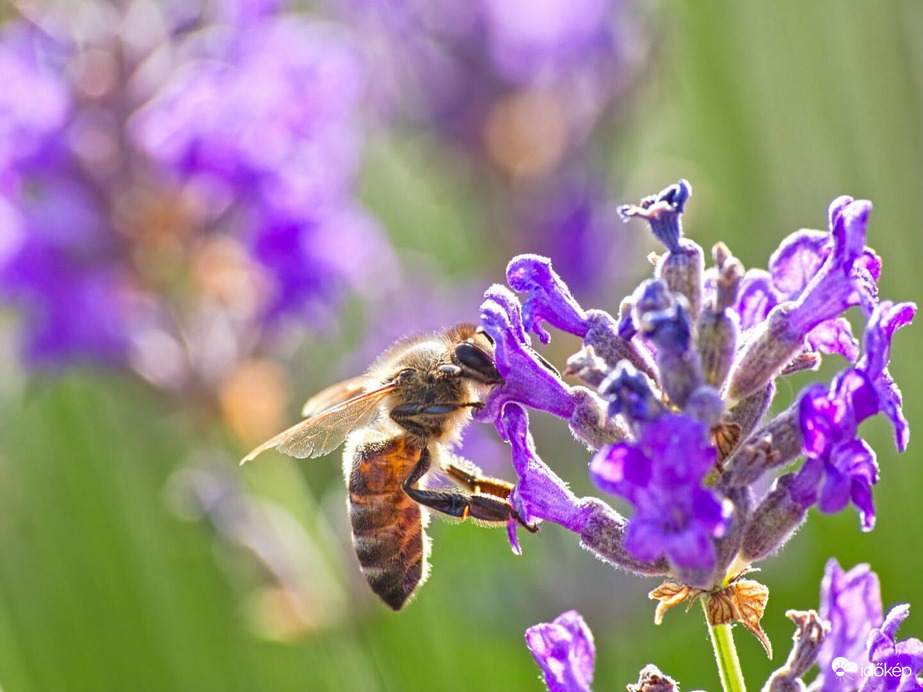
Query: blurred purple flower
[(518, 88), (851, 603), (268, 118), (661, 476), (144, 198), (565, 651), (34, 101)]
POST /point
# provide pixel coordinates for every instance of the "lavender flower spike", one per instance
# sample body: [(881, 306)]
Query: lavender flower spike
[(565, 650), (549, 298)]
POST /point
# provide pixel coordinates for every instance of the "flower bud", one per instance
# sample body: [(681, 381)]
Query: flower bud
[(717, 344), (749, 411), (773, 522), (810, 634), (769, 350), (680, 367), (682, 271)]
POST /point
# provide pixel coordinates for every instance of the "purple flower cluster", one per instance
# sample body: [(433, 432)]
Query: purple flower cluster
[(678, 385), (167, 175)]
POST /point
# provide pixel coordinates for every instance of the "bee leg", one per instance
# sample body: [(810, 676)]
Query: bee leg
[(486, 508), (474, 481)]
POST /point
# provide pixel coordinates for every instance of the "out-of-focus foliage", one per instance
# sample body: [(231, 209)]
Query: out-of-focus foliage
[(136, 555)]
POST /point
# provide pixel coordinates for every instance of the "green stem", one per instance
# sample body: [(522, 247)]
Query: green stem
[(722, 640)]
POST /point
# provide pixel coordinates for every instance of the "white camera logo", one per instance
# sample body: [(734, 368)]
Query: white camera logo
[(843, 666)]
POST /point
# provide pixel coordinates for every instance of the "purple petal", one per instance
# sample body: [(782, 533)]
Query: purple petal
[(645, 539), (565, 651), (851, 602), (680, 449), (841, 281), (538, 493), (757, 297), (824, 420), (797, 261), (903, 659), (853, 387), (710, 513), (857, 461), (619, 468), (886, 319), (834, 493), (835, 336), (663, 211), (691, 550), (549, 297), (805, 486), (527, 379)]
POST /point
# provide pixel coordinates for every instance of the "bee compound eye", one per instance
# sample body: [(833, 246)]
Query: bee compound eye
[(476, 363)]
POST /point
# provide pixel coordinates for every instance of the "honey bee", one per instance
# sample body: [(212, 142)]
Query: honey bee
[(399, 420)]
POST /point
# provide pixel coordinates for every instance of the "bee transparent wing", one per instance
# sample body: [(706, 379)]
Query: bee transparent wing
[(326, 430), (337, 394)]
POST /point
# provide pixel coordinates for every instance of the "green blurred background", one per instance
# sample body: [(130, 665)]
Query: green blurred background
[(770, 110)]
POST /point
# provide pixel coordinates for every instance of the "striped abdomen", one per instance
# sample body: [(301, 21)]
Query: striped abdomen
[(388, 534)]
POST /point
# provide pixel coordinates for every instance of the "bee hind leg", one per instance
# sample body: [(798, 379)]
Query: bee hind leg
[(487, 500)]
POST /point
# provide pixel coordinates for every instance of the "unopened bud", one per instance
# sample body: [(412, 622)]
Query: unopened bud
[(773, 522), (717, 344), (603, 335), (682, 271), (769, 350)]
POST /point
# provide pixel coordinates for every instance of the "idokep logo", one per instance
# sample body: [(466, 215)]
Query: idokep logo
[(844, 668), (848, 670)]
